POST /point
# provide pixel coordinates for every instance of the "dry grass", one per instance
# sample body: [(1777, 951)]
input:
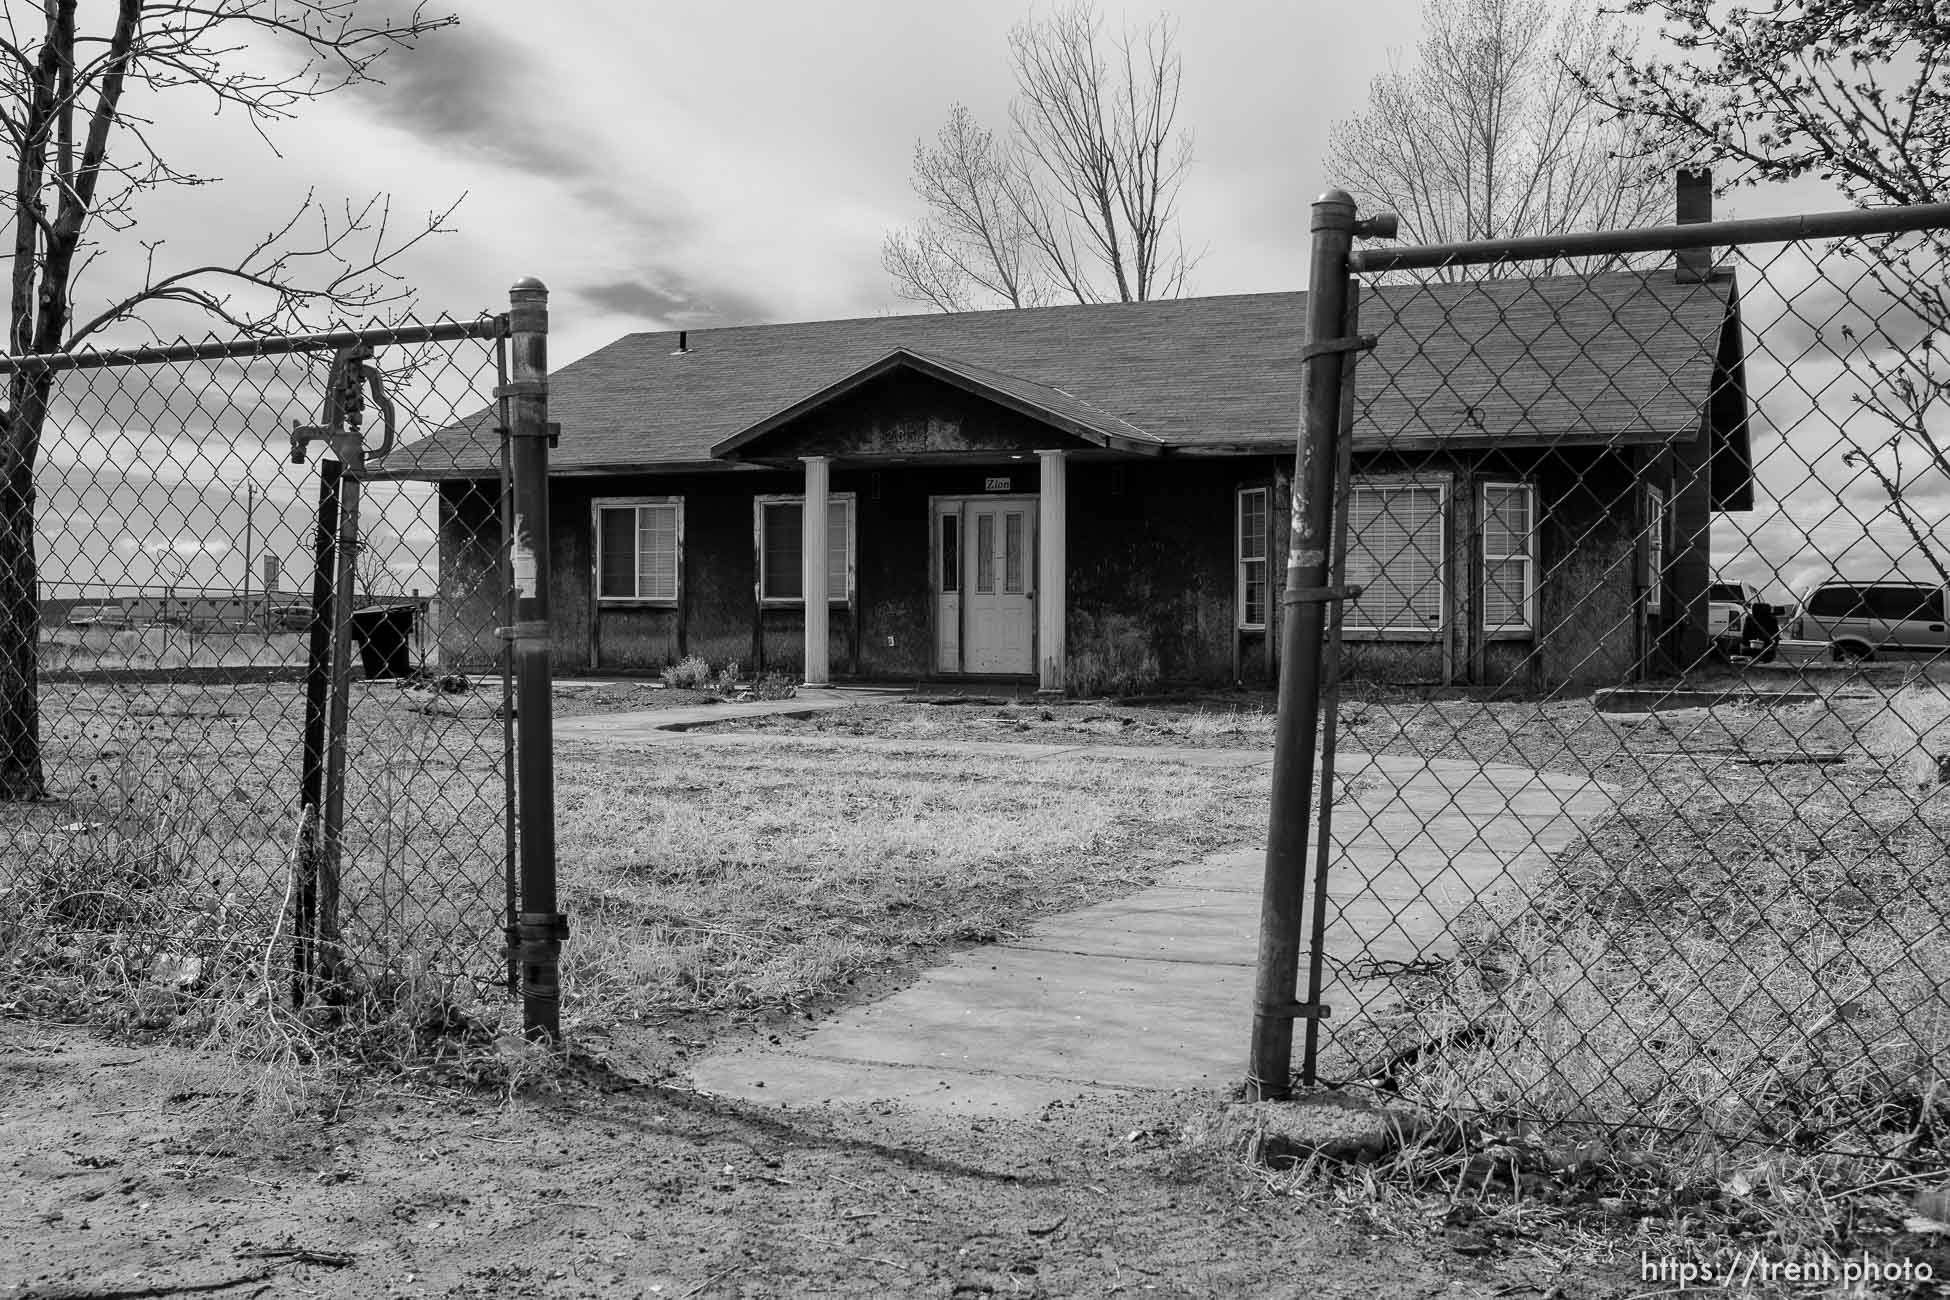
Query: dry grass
[(709, 880), (1720, 1021), (153, 894)]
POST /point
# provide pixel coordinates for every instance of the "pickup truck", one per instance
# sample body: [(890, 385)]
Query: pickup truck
[(98, 616), (1739, 622)]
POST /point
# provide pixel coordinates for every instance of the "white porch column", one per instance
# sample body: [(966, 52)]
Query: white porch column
[(813, 569), (1052, 604)]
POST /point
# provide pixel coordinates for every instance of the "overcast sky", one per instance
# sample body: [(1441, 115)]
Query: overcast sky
[(666, 165), (662, 165)]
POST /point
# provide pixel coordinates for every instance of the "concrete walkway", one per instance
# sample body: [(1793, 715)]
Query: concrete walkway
[(653, 724), (1154, 990)]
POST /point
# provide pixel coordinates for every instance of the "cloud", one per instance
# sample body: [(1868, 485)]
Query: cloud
[(473, 89), (674, 300), (464, 87)]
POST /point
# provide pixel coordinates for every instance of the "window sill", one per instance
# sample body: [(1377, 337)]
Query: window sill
[(796, 602), (1429, 636), (636, 602)]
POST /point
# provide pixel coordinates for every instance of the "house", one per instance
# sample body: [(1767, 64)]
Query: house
[(1015, 494)]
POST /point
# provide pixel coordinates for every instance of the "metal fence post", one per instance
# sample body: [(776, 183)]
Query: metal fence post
[(543, 928), (1282, 908)]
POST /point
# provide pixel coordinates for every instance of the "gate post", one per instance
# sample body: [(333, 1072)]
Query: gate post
[(542, 927), (1269, 1066)]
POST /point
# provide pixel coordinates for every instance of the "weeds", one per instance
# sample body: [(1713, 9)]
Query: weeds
[(692, 674), (154, 899), (775, 685)]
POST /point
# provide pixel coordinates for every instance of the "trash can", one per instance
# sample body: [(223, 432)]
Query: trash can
[(384, 635)]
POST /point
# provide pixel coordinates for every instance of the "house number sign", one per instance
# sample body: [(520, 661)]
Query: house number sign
[(995, 484)]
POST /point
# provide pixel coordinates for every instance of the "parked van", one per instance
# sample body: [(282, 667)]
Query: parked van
[(1865, 620)]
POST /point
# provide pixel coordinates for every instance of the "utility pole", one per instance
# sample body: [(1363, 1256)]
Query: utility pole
[(250, 509)]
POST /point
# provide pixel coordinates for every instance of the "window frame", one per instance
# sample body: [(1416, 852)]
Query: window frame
[(1240, 560), (764, 500), (1656, 550), (639, 504), (1528, 628), (1428, 632)]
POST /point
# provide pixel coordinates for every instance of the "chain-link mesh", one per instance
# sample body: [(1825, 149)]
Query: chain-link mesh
[(188, 716), (1648, 671)]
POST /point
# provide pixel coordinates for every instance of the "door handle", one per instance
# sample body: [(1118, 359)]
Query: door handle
[(1936, 627)]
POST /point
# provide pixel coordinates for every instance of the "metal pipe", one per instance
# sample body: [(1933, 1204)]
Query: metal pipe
[(1270, 1062), (542, 927), (331, 862), (511, 845), (1652, 239), (487, 327), (311, 773), (1331, 702)]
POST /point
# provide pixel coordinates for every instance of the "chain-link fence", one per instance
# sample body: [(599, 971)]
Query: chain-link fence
[(1636, 623), (262, 701)]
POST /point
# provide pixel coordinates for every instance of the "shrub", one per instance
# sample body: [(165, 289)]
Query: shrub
[(1115, 659), (775, 685), (693, 674), (726, 682)]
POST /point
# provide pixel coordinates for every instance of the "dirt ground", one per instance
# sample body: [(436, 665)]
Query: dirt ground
[(138, 1170), (1567, 736), (134, 1168)]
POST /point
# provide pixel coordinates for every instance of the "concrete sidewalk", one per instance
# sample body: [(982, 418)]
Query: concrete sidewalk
[(655, 724), (1153, 991)]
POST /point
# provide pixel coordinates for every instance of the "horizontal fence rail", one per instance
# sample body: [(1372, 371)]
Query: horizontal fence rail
[(487, 327), (263, 689), (1855, 223)]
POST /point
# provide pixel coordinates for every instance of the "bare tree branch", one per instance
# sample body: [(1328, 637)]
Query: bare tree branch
[(1491, 134), (1080, 201), (82, 160)]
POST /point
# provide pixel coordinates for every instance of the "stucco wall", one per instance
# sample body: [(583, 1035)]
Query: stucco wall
[(1151, 560)]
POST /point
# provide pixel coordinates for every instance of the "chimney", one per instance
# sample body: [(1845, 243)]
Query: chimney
[(270, 575), (1695, 204)]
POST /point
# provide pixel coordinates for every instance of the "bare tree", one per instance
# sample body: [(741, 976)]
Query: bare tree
[(83, 157), (974, 243), (1491, 133), (1079, 201), (1856, 94)]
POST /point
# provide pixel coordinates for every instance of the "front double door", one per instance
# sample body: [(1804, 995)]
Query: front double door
[(984, 552)]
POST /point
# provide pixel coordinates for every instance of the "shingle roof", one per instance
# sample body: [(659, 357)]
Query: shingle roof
[(1625, 356)]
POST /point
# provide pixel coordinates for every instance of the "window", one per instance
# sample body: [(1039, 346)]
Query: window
[(985, 553), (638, 543), (1898, 604), (1251, 546), (1655, 550), (781, 548), (1836, 602), (1012, 553), (1394, 553), (950, 554), (1509, 557)]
